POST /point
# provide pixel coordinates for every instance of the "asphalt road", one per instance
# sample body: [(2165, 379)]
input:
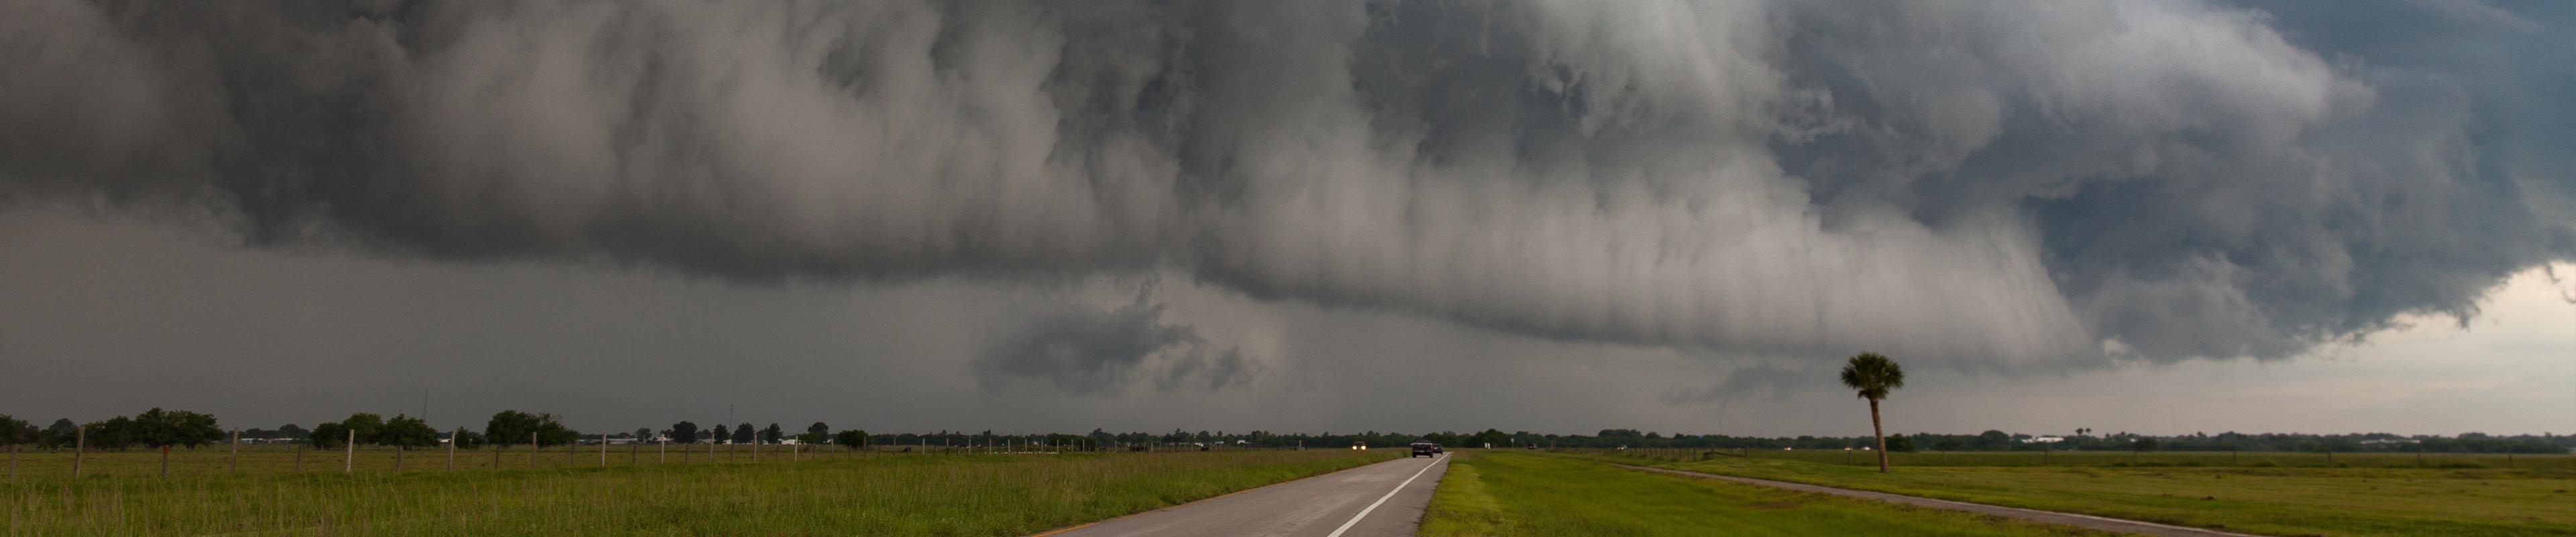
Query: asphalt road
[(1379, 500)]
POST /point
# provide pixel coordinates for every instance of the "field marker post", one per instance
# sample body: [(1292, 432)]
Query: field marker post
[(453, 439), (80, 445), (235, 463), (165, 461), (795, 453), (534, 449), (603, 449), (349, 462), (664, 447)]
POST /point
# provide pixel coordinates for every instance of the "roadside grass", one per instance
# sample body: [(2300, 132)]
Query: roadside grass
[(279, 459), (2257, 459), (1505, 493), (873, 495), (2271, 500)]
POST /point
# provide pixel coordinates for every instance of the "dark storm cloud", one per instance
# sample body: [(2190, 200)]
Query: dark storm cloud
[(1092, 351), (1987, 184)]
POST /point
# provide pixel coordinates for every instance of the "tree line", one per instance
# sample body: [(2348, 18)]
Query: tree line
[(160, 427)]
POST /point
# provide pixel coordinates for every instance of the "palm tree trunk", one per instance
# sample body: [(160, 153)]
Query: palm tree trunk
[(1881, 432)]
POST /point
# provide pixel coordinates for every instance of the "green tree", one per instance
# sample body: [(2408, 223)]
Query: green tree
[(818, 428), (772, 434), (328, 435), (60, 434), (742, 434), (684, 432), (404, 431), (365, 424), (1872, 376), (509, 427), (14, 430), (851, 439), (164, 428), (468, 439)]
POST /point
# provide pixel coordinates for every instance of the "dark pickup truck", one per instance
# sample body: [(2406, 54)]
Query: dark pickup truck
[(1424, 449)]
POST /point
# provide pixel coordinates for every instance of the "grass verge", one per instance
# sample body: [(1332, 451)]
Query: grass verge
[(894, 495), (1518, 493), (2279, 501)]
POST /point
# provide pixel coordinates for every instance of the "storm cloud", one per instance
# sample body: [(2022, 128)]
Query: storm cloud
[(1990, 185), (1085, 350)]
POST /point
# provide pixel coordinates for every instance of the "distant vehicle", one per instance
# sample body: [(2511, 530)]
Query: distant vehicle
[(1424, 449)]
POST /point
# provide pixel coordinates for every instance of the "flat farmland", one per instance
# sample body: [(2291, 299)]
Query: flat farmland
[(876, 494), (2387, 497), (2248, 459), (1508, 493), (275, 459)]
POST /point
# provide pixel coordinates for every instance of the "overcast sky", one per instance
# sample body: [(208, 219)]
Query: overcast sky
[(2151, 216)]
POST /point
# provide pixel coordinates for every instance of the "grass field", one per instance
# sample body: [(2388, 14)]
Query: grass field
[(1503, 493), (882, 494), (2277, 499), (2250, 459), (273, 459)]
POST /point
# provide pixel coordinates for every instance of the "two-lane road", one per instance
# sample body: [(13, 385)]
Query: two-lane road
[(1379, 500)]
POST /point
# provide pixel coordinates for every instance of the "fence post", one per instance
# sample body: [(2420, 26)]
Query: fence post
[(453, 439), (349, 462), (603, 449), (534, 449), (235, 463), (662, 450), (80, 446), (13, 461), (299, 455)]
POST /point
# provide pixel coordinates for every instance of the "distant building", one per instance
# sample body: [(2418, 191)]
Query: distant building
[(2043, 440)]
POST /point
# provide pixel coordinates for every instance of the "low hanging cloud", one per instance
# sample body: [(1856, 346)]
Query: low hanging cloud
[(1085, 350), (1983, 184)]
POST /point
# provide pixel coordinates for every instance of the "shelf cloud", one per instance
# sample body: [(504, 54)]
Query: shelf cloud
[(1991, 185)]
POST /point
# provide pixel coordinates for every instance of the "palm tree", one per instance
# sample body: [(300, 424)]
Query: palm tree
[(1873, 376)]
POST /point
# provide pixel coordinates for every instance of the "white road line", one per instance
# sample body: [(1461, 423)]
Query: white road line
[(1399, 487)]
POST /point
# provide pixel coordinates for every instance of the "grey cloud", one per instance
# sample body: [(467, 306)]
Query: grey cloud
[(1085, 350), (1982, 184)]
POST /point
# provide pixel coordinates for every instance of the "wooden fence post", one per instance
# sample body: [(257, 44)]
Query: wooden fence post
[(80, 446), (603, 449), (349, 462), (234, 466), (662, 449), (299, 455), (534, 449), (452, 440), (165, 461)]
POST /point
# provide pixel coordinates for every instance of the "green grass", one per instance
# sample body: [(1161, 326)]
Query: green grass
[(2269, 500), (2120, 458), (880, 494), (280, 459), (1518, 493)]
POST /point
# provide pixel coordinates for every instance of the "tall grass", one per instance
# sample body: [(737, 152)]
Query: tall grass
[(851, 495), (2109, 458)]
